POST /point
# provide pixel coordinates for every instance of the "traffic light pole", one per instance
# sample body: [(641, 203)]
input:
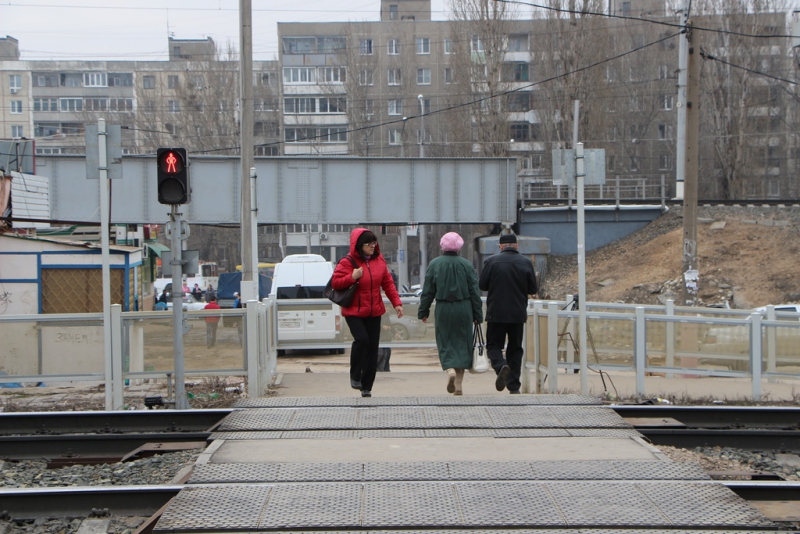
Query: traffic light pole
[(178, 231)]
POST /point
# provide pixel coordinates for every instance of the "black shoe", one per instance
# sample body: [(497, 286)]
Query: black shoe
[(514, 391), (366, 393), (354, 384), (502, 378)]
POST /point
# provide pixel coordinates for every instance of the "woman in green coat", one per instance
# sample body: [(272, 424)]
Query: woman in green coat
[(451, 281)]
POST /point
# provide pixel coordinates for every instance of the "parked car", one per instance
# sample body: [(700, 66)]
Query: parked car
[(406, 327), (189, 303)]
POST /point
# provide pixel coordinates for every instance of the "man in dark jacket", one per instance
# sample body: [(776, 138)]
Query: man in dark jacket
[(508, 278)]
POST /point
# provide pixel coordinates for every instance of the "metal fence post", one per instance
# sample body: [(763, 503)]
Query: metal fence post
[(117, 385), (640, 349), (755, 354), (772, 340), (251, 348), (552, 346), (669, 311)]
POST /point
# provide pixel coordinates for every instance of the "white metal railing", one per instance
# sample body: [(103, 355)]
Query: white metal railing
[(637, 339), (665, 340)]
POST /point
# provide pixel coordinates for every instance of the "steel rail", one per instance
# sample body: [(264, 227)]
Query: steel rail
[(53, 423), (751, 440), (112, 446), (771, 417)]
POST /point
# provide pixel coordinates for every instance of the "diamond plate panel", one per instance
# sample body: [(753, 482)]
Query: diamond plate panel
[(531, 433), (588, 417), (399, 505), (406, 471), (392, 433), (456, 417), (507, 504), (320, 472), (391, 417), (257, 419), (704, 504), (323, 419), (227, 508), (523, 417), (246, 435), (310, 506), (319, 434), (459, 433), (232, 473), (603, 433), (605, 504), (490, 471), (616, 470), (521, 400)]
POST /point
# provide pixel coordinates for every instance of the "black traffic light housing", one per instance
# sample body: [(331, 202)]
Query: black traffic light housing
[(173, 176)]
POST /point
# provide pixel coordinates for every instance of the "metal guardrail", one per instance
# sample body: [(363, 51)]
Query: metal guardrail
[(666, 340)]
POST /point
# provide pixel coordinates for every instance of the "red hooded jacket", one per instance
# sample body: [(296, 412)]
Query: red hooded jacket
[(368, 301)]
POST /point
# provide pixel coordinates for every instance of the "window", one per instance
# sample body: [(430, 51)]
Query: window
[(448, 46), (332, 105), (626, 9), (394, 77), (666, 102), (264, 79), (520, 132), (518, 42), (476, 45), (45, 79), (635, 104), (332, 74), (149, 106), (299, 45), (223, 106), (120, 79), (16, 106), (173, 106), (45, 104), (95, 104), (395, 107), (265, 104), (266, 129), (611, 73), (46, 129), (634, 164), (197, 81), (611, 160), (423, 45), (664, 132), (393, 46), (71, 104), (333, 134), (149, 82), (518, 101), (611, 133), (331, 45), (369, 107), (120, 104), (448, 75), (365, 77), (515, 72), (69, 79), (172, 81), (425, 105), (16, 130), (663, 72), (664, 162), (299, 105), (298, 75), (423, 76), (536, 161), (15, 81), (393, 12), (171, 128), (95, 79), (365, 47), (270, 150), (368, 139), (395, 137)]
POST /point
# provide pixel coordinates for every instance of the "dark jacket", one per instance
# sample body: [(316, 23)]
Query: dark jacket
[(509, 279), (368, 301)]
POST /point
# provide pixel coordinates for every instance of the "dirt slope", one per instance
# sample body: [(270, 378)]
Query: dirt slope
[(748, 256)]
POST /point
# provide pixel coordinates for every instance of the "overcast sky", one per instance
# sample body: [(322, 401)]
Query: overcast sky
[(138, 29)]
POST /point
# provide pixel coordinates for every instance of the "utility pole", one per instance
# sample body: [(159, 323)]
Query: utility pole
[(423, 237), (690, 268), (249, 284), (683, 63)]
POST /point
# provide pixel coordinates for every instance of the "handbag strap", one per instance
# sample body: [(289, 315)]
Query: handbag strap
[(477, 336)]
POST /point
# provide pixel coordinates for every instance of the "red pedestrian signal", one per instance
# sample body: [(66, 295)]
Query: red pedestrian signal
[(173, 176)]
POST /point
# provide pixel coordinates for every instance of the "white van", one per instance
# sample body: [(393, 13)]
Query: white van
[(304, 276)]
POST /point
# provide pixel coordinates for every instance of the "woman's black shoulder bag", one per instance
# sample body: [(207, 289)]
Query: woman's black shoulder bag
[(342, 297)]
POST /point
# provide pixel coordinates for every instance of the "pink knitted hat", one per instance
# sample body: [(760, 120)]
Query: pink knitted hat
[(451, 242)]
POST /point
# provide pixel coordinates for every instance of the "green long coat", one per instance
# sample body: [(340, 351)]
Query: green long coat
[(451, 281)]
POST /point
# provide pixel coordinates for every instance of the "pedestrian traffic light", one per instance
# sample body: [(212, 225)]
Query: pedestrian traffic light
[(173, 176)]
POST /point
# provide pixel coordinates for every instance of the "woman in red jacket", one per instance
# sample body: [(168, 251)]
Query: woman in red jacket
[(363, 316)]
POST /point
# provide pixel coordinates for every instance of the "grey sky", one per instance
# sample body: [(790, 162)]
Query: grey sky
[(138, 29)]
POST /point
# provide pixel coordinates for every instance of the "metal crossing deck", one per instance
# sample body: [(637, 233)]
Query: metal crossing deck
[(252, 490)]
